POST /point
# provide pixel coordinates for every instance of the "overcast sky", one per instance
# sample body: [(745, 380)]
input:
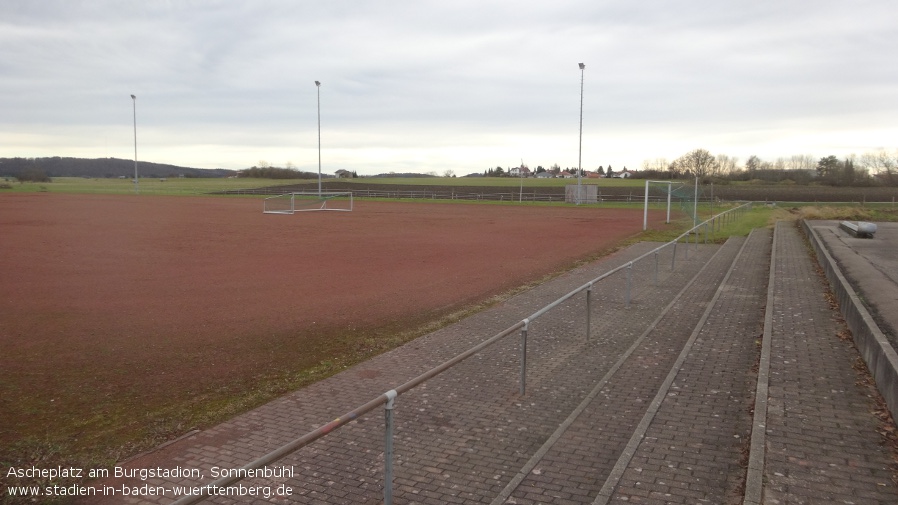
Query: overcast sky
[(445, 85)]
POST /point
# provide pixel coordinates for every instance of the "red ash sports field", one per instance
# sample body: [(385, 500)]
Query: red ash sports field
[(119, 306)]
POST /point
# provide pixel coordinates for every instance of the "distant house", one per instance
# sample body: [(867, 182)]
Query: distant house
[(566, 175), (343, 174), (624, 174), (519, 172), (593, 175), (544, 175)]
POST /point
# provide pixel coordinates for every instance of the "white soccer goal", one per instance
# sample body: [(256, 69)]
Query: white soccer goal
[(305, 201), (652, 191), (581, 194), (663, 192)]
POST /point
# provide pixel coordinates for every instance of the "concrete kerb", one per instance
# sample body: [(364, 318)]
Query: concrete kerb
[(878, 353), (754, 478)]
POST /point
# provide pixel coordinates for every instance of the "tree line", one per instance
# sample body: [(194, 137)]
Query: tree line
[(555, 170), (42, 169), (872, 168), (276, 173)]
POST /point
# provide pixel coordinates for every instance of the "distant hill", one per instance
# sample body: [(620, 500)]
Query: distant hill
[(103, 167)]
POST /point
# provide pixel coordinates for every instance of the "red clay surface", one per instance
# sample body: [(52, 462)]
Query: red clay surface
[(117, 305)]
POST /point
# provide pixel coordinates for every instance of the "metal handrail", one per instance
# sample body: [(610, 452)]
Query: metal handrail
[(388, 397), (312, 436)]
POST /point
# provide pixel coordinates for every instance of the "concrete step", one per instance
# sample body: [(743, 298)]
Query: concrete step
[(691, 443), (816, 438), (590, 449)]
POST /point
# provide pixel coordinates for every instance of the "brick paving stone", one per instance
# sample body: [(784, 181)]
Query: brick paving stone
[(822, 443), (693, 450), (598, 435)]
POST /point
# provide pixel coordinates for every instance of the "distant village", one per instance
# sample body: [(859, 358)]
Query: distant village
[(554, 172), (570, 173)]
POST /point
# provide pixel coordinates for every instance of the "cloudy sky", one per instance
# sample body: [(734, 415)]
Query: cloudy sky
[(445, 85)]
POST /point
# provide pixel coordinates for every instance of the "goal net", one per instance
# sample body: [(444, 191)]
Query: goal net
[(304, 201), (671, 194), (581, 193)]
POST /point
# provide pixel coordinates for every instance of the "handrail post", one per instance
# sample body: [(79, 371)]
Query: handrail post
[(523, 388), (673, 257), (388, 447), (588, 311), (629, 281)]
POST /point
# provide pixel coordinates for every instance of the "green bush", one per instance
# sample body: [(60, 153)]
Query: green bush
[(33, 174)]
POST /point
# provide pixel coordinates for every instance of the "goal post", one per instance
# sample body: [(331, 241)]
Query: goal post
[(306, 201), (280, 204), (645, 213)]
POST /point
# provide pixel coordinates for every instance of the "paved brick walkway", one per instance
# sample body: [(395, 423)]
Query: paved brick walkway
[(822, 440), (693, 451), (654, 408), (578, 464)]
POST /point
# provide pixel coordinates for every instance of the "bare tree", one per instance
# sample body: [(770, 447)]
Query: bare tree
[(658, 164), (753, 163), (726, 165), (699, 163), (801, 162), (883, 164)]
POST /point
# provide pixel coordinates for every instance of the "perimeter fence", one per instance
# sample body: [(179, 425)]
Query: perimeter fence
[(487, 196), (651, 259)]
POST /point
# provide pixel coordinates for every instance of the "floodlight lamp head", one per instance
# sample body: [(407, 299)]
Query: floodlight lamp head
[(134, 97), (317, 83), (582, 66)]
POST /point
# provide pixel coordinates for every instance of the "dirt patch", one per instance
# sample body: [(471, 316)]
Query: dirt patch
[(118, 309)]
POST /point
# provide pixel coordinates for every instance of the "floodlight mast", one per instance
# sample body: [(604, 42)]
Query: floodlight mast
[(580, 154), (136, 183), (318, 87)]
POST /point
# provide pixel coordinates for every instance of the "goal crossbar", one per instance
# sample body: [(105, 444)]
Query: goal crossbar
[(306, 201)]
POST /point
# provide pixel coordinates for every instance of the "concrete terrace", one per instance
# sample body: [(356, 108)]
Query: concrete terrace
[(659, 405)]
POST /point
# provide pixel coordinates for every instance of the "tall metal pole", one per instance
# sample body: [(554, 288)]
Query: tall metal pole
[(136, 183), (580, 154), (645, 208), (318, 87), (695, 207)]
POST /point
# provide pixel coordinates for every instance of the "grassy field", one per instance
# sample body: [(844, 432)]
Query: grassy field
[(186, 186), (195, 186)]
